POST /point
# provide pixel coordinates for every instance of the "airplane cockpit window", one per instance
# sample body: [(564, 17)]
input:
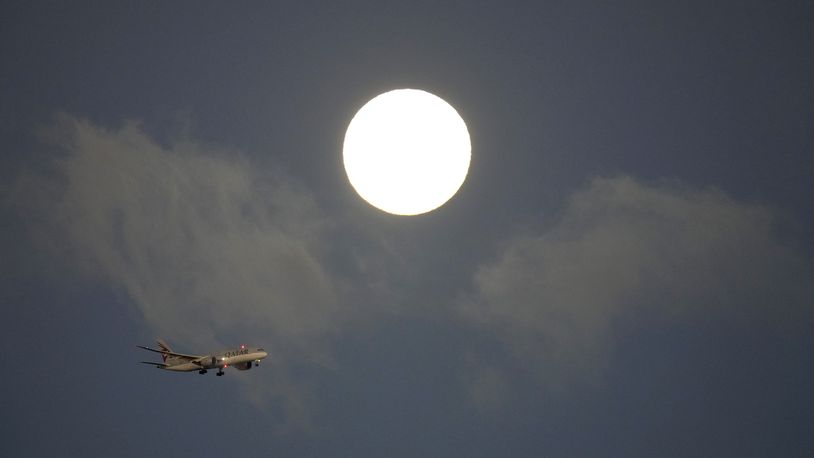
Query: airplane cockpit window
[(260, 349)]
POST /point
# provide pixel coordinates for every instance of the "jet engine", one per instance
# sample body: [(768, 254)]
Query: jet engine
[(243, 366)]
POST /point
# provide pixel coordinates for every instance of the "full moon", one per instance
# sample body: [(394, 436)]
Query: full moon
[(407, 152)]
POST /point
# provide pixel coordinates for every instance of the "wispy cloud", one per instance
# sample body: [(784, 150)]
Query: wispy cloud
[(205, 246), (621, 247)]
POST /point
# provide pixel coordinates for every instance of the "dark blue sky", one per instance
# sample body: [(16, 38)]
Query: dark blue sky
[(627, 270)]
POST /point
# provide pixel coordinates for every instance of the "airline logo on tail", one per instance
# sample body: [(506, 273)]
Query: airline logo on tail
[(164, 349)]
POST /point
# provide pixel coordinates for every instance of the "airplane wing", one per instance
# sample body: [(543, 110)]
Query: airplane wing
[(159, 365), (205, 360), (170, 353)]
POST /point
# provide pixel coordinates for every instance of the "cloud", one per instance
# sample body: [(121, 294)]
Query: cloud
[(621, 248), (206, 247)]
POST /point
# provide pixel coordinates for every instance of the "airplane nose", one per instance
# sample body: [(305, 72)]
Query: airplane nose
[(263, 354)]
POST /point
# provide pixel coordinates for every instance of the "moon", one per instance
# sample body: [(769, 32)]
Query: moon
[(407, 152)]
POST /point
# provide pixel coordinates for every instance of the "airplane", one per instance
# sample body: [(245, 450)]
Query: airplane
[(241, 358)]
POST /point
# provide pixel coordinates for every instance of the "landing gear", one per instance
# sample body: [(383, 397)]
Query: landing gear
[(219, 372), (202, 371), (257, 363)]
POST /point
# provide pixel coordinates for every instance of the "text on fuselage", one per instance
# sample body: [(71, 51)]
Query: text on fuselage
[(230, 354)]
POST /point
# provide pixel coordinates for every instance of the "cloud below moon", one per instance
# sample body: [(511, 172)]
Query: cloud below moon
[(621, 248)]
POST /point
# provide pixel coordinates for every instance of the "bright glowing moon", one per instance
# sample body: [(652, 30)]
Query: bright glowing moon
[(407, 152)]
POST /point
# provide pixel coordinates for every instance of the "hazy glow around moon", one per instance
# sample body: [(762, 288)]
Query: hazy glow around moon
[(407, 152)]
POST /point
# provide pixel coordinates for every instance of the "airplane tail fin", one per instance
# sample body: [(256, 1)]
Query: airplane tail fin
[(164, 348)]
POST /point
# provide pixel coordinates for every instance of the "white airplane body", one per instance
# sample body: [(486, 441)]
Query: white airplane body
[(242, 358)]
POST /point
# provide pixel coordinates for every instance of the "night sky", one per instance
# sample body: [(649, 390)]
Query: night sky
[(628, 269)]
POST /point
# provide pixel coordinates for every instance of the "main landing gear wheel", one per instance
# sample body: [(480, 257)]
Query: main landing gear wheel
[(219, 373), (202, 371)]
